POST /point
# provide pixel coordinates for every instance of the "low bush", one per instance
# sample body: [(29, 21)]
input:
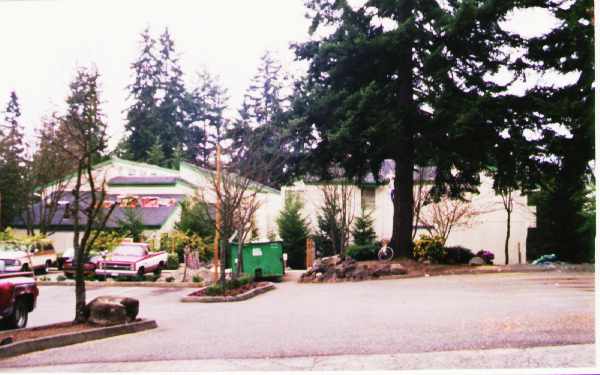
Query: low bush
[(60, 278), (150, 277), (170, 279), (197, 279), (172, 262), (487, 256), (362, 252), (429, 248), (458, 255)]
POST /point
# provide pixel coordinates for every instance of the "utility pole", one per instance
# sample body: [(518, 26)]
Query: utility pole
[(217, 216)]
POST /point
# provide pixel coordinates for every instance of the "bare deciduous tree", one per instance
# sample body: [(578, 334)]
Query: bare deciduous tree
[(86, 138), (46, 178), (441, 217), (338, 207)]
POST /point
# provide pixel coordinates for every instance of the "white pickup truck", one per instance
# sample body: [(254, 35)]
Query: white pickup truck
[(19, 257), (131, 259)]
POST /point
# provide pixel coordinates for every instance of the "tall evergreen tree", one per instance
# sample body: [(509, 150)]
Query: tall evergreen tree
[(12, 163), (142, 115), (567, 50), (209, 101), (259, 131), (161, 105), (407, 81), (172, 116)]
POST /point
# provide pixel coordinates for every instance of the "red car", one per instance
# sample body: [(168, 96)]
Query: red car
[(18, 296), (89, 267)]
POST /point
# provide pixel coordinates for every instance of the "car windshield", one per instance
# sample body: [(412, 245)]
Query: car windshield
[(129, 250), (7, 246)]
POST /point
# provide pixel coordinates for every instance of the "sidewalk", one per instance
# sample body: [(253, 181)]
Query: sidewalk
[(568, 356)]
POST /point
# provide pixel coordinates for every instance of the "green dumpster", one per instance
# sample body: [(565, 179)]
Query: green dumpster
[(263, 259)]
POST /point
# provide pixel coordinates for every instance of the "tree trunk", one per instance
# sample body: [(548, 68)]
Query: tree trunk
[(401, 240), (223, 256), (79, 291), (508, 212), (240, 261), (403, 149)]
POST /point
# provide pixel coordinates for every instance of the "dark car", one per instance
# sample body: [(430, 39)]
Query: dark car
[(89, 267), (18, 296)]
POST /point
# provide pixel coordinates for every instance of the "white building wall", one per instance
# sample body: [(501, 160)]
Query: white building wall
[(486, 231)]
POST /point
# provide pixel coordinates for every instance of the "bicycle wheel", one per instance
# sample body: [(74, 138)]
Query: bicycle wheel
[(385, 253)]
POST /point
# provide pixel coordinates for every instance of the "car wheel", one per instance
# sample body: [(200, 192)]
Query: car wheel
[(25, 267), (158, 269), (47, 265), (141, 271), (18, 318)]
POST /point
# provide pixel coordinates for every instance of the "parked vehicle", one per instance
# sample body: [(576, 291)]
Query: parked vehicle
[(19, 257), (89, 267), (131, 259), (18, 296), (65, 256)]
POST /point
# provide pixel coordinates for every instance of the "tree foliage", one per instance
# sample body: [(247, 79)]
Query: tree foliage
[(13, 163), (293, 232), (406, 81)]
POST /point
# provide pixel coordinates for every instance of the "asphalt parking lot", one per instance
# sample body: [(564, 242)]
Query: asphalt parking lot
[(432, 314)]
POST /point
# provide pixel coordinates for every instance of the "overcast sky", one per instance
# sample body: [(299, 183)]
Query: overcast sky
[(44, 41)]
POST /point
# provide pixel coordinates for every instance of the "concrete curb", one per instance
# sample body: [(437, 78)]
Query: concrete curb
[(48, 342), (244, 296), (151, 284)]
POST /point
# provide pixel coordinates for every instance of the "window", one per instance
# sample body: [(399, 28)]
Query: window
[(367, 199)]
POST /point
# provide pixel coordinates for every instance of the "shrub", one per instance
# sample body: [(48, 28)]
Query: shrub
[(362, 231), (293, 232), (487, 256), (430, 248), (458, 255), (170, 279), (172, 262), (197, 279), (214, 290), (362, 252), (150, 277), (60, 278)]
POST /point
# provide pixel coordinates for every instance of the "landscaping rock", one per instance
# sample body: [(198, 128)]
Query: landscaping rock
[(476, 261), (111, 310), (382, 270), (335, 268), (397, 269)]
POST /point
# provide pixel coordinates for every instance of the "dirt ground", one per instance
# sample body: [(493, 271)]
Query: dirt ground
[(415, 268), (38, 332)]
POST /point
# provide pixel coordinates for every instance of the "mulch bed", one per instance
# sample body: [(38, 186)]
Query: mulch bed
[(230, 292), (415, 268), (46, 331)]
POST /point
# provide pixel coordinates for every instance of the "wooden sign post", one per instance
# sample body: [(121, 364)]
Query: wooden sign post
[(310, 252)]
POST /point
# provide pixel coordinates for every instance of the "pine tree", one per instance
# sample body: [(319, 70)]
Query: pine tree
[(293, 232), (413, 90), (209, 101), (155, 154), (142, 117), (566, 50), (363, 231), (13, 163), (173, 119), (259, 131)]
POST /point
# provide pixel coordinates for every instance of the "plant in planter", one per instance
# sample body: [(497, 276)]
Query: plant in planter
[(487, 256), (430, 248), (458, 255)]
